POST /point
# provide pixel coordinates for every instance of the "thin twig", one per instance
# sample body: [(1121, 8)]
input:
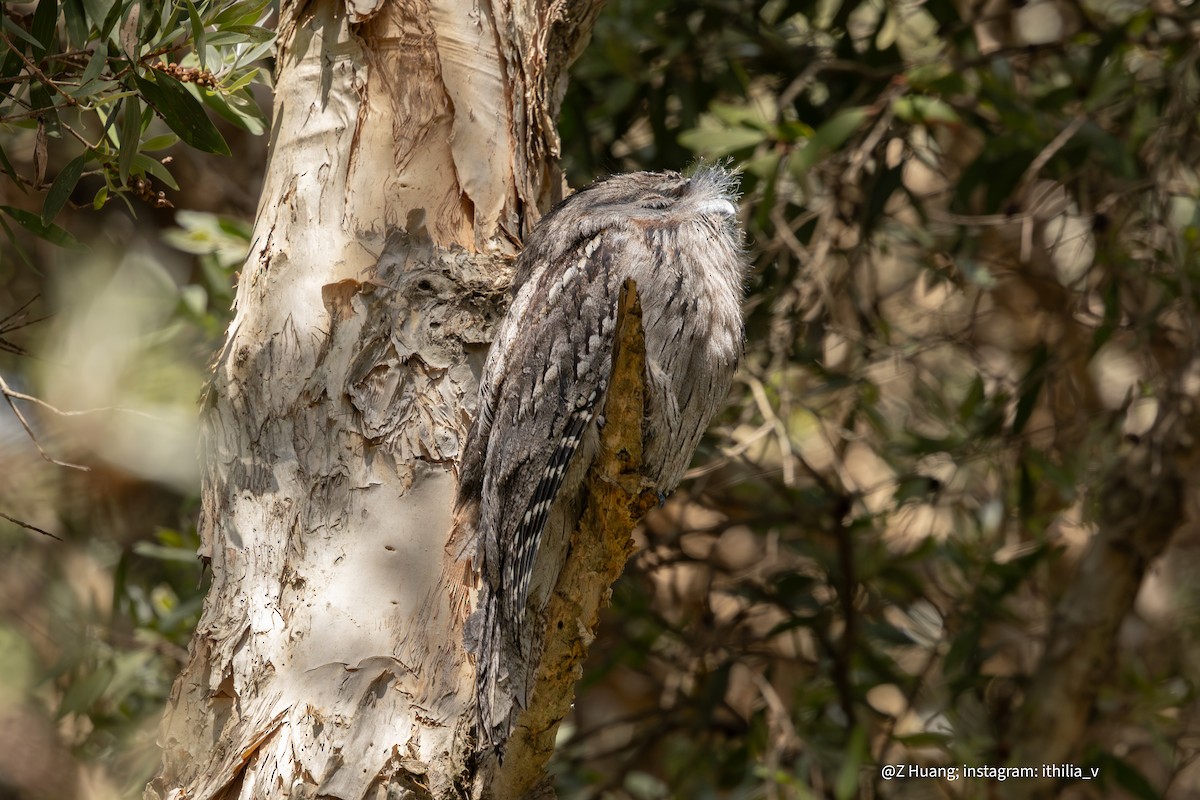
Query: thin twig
[(9, 396), (34, 528), (4, 327), (728, 455), (33, 68), (862, 153), (1048, 152), (82, 412), (781, 432)]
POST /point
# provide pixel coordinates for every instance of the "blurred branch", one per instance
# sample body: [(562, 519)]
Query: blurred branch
[(617, 498), (1048, 152), (14, 322), (33, 528), (782, 437), (9, 397), (1140, 506)]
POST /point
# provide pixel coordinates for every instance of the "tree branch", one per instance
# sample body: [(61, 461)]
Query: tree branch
[(1141, 504), (10, 396), (617, 498)]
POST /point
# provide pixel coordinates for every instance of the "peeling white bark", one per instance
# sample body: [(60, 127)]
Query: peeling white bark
[(328, 661)]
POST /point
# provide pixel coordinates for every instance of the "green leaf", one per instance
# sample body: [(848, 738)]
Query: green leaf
[(115, 13), (1031, 386), (923, 110), (197, 25), (747, 115), (240, 109), (50, 232), (971, 402), (1127, 776), (155, 143), (45, 18), (131, 134), (98, 10), (997, 170), (101, 198), (241, 81), (644, 786), (888, 634), (943, 12), (92, 71), (40, 99), (85, 691), (828, 138), (16, 246), (241, 34), (246, 12), (155, 168), (259, 51), (236, 228), (223, 39), (64, 184), (109, 118), (855, 755), (1111, 151), (182, 112), (165, 28), (7, 166), (184, 555), (75, 21), (914, 487), (765, 166), (98, 92), (15, 30), (879, 193), (715, 142), (1111, 293), (10, 65)]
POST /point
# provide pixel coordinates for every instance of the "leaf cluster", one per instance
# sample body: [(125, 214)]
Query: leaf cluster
[(94, 90)]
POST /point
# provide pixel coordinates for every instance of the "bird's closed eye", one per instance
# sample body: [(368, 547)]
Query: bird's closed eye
[(655, 201)]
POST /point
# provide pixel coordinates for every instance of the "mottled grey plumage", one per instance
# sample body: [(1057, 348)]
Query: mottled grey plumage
[(543, 388)]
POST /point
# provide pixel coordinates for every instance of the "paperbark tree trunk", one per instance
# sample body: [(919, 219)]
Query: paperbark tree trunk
[(413, 145)]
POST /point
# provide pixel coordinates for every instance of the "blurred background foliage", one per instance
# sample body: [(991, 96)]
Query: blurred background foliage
[(121, 234), (974, 233), (974, 228)]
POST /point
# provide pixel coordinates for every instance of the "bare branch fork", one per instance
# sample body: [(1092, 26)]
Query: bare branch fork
[(10, 397)]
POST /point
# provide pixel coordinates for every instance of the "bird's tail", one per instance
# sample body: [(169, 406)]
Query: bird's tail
[(499, 691)]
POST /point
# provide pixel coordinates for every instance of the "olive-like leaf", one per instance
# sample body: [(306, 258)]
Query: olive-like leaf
[(159, 142), (155, 168), (96, 65), (240, 108), (131, 134), (64, 184), (50, 232), (244, 12), (45, 18), (127, 36), (182, 113), (7, 166), (75, 20), (115, 13), (828, 138), (197, 26)]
